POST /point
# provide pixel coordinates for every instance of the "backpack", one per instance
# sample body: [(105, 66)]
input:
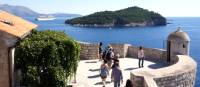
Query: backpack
[(104, 71), (104, 55)]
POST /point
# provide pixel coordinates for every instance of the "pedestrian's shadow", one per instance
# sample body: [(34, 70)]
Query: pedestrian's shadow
[(158, 65), (93, 70), (94, 76), (100, 83), (128, 69)]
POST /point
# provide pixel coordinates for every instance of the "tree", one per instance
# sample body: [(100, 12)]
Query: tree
[(47, 59)]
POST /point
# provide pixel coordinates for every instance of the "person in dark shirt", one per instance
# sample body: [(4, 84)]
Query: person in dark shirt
[(116, 75), (100, 51)]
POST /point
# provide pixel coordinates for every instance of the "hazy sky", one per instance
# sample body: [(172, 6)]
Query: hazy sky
[(168, 8)]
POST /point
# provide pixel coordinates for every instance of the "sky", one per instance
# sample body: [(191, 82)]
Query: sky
[(167, 8)]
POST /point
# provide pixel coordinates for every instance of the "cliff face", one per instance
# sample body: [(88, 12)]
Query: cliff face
[(130, 17)]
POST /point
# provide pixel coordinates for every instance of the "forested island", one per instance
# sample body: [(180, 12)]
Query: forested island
[(130, 17)]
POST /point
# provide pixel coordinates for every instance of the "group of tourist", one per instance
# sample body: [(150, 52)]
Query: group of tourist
[(111, 61)]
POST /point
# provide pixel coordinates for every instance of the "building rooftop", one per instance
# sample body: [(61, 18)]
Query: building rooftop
[(14, 25)]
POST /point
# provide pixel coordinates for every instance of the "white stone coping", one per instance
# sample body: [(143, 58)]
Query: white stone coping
[(184, 64)]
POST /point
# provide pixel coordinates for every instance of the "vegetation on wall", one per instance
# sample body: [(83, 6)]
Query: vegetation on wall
[(120, 17), (47, 59)]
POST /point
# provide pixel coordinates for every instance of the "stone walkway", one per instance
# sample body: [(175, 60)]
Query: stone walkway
[(88, 72)]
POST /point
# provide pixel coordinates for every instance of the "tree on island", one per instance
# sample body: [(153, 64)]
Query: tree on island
[(131, 15)]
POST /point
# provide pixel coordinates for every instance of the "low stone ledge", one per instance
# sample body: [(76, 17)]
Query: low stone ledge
[(152, 54), (89, 50), (182, 73)]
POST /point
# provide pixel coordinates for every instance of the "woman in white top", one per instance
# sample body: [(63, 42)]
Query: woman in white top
[(141, 57)]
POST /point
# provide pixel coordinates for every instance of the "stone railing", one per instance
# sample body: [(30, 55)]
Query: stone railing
[(121, 49), (180, 74), (89, 51), (152, 54)]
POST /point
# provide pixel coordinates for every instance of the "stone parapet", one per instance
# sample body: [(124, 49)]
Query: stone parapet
[(152, 54), (180, 74), (89, 51), (121, 49)]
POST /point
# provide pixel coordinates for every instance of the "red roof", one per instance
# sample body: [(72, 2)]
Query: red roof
[(14, 25)]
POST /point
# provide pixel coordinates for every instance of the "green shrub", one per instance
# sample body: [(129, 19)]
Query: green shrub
[(47, 59)]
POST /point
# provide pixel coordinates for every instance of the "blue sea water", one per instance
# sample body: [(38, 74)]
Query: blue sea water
[(146, 36)]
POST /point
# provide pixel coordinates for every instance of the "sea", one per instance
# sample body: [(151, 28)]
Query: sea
[(152, 37)]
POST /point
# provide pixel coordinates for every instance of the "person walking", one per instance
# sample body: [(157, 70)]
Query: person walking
[(110, 57), (104, 72), (116, 75), (100, 51), (105, 52), (115, 60), (141, 56)]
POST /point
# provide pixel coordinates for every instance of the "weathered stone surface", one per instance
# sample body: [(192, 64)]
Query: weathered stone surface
[(152, 54), (180, 74), (89, 51), (121, 49)]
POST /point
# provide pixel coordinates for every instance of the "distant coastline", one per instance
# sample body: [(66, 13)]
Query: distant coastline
[(23, 11)]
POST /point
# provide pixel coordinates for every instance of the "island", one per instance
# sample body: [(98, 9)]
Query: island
[(129, 17)]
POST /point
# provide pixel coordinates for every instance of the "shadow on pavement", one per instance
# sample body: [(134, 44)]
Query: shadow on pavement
[(94, 76), (158, 65), (128, 69), (100, 83), (93, 70)]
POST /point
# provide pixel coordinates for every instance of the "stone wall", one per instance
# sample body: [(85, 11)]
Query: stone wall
[(138, 81), (153, 54), (6, 64), (180, 74), (121, 49), (185, 79), (89, 51)]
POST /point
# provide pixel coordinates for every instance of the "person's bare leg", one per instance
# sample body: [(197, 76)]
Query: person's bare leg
[(104, 82)]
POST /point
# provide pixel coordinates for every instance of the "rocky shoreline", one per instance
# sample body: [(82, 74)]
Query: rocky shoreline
[(142, 24)]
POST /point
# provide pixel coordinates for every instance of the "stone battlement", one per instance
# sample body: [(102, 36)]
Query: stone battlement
[(180, 74), (181, 71), (90, 51)]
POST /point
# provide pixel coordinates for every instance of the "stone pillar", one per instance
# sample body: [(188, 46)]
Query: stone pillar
[(11, 65)]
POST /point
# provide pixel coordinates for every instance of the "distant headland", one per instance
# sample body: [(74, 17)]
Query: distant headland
[(129, 17), (23, 11)]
